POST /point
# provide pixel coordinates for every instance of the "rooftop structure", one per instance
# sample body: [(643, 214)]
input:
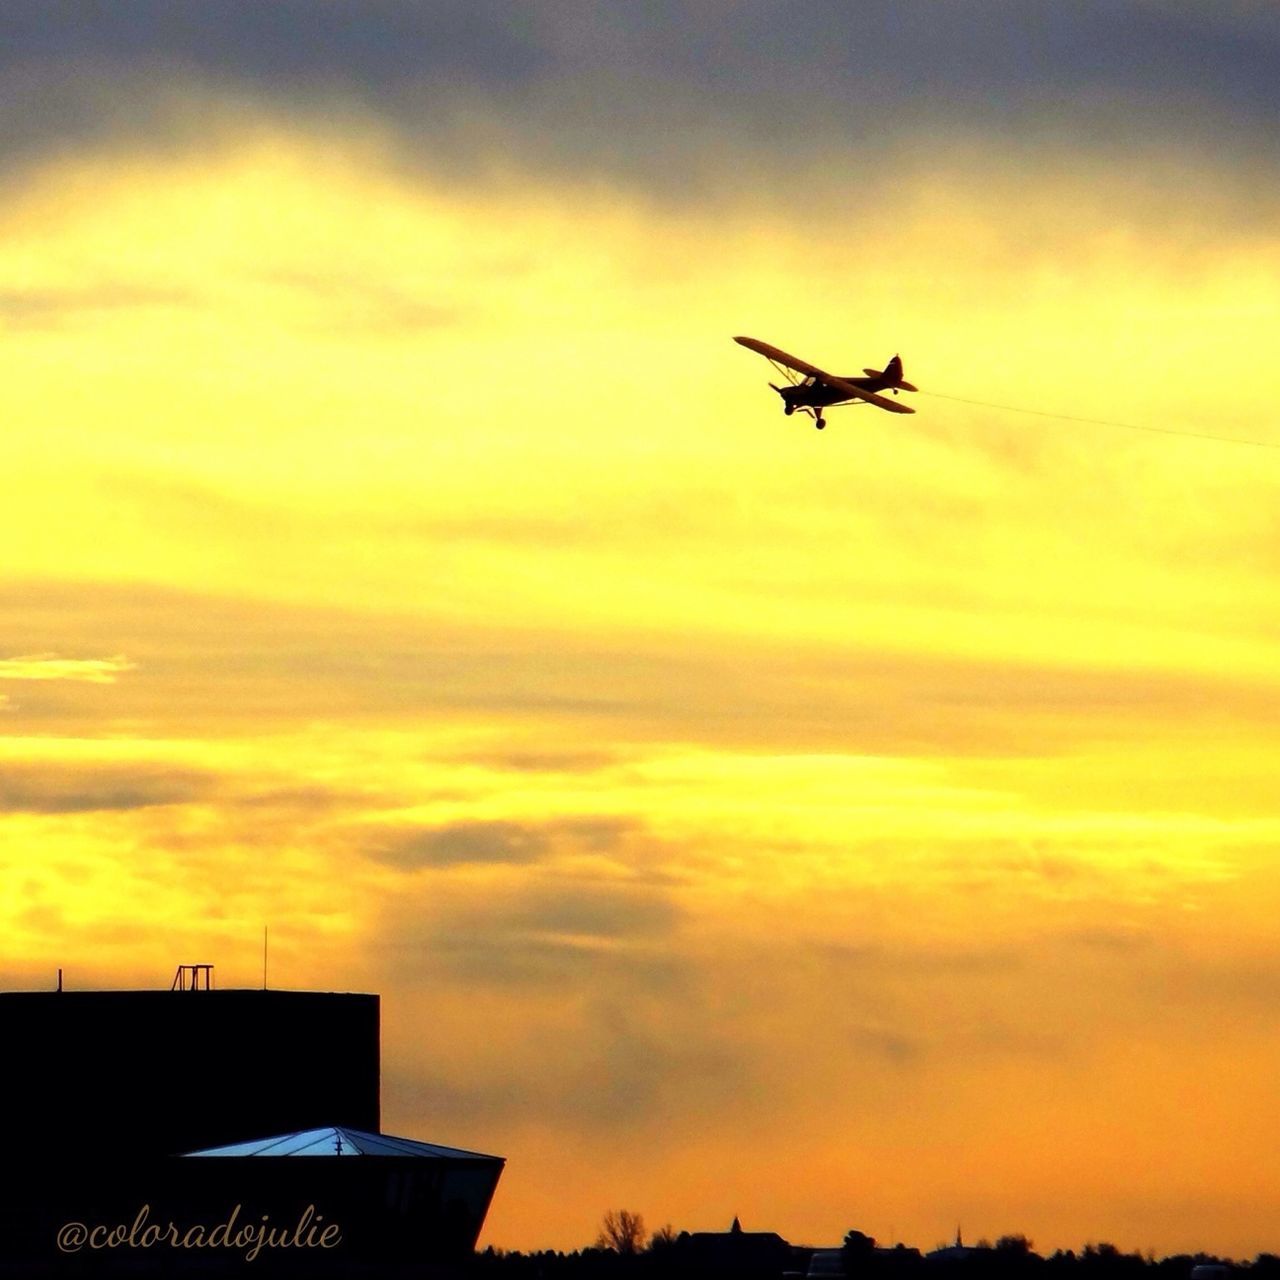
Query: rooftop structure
[(337, 1141)]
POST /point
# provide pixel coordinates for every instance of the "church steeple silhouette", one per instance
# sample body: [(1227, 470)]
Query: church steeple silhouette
[(736, 1229)]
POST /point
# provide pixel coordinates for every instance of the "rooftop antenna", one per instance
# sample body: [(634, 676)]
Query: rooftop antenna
[(264, 957), (59, 979), (193, 977)]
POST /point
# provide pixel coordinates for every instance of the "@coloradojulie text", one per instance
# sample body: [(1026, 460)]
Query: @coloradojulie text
[(309, 1232)]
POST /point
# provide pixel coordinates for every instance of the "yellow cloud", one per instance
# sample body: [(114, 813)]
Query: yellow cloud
[(49, 666)]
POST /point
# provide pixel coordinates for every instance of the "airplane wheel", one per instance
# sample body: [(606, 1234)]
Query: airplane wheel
[(821, 422)]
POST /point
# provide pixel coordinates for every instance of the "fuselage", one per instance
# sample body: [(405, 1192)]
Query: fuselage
[(818, 395)]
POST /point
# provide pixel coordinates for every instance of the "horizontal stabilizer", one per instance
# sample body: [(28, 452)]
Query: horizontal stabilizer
[(901, 384)]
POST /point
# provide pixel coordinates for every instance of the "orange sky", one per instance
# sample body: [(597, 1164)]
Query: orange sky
[(869, 829)]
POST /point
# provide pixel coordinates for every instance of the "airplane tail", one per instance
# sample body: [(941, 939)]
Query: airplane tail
[(893, 375)]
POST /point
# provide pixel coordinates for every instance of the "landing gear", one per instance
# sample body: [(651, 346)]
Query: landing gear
[(820, 423), (788, 409)]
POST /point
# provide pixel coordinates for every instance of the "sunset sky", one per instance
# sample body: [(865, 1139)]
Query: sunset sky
[(871, 828)]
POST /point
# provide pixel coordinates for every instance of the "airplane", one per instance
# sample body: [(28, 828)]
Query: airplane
[(815, 390)]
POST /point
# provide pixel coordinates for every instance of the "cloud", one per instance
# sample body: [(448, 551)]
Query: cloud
[(348, 303), (302, 799), (466, 842), (49, 666), (593, 912), (898, 1048), (623, 1066), (534, 933), (291, 663), (602, 1018), (43, 308), (1110, 938), (51, 788), (287, 43), (505, 959), (689, 90), (463, 842), (550, 761)]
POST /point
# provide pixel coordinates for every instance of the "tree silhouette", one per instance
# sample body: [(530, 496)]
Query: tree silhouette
[(663, 1238), (1016, 1244), (621, 1231), (857, 1252), (620, 1254)]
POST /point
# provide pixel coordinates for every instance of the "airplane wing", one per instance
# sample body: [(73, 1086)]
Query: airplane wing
[(773, 353), (812, 371)]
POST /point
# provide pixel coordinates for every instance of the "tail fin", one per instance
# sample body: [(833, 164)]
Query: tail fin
[(893, 371), (891, 375)]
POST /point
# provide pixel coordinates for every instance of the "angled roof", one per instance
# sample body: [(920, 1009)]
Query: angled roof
[(338, 1141)]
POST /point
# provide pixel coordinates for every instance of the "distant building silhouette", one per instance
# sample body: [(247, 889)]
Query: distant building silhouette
[(735, 1252), (956, 1252)]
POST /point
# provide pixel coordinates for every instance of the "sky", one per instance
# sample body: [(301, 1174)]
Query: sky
[(873, 828)]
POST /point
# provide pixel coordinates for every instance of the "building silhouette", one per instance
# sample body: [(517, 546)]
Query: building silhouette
[(753, 1255), (178, 1070), (253, 1110)]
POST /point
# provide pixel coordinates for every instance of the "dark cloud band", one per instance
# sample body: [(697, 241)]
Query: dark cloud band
[(657, 91), (65, 789)]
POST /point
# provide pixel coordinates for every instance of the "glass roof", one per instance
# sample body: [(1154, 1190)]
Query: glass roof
[(340, 1142)]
